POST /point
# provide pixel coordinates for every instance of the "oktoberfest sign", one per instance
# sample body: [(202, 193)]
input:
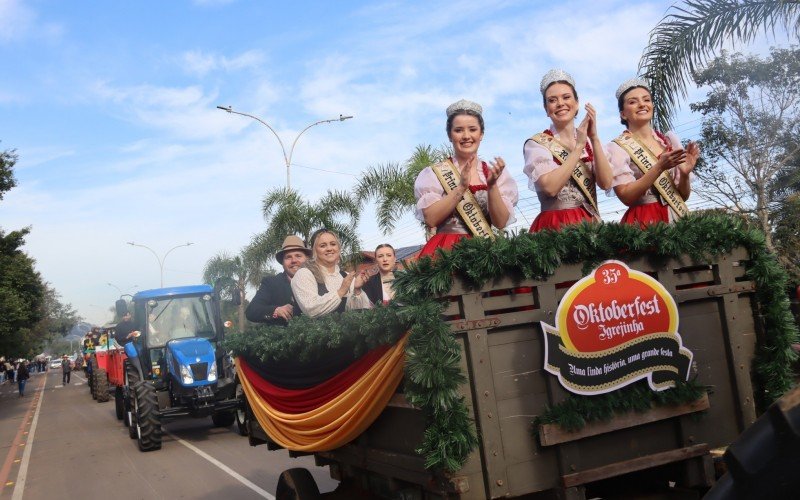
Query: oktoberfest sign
[(614, 327)]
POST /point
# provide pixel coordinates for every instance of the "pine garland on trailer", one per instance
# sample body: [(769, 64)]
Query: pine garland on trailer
[(433, 356)]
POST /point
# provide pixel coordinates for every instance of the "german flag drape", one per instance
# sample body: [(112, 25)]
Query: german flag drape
[(331, 413)]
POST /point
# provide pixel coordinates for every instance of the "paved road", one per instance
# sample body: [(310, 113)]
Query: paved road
[(57, 442)]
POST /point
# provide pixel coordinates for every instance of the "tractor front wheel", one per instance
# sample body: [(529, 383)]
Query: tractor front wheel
[(148, 425), (119, 403), (223, 419)]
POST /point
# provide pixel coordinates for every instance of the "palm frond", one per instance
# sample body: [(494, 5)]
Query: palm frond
[(690, 34), (279, 198), (340, 202), (378, 179)]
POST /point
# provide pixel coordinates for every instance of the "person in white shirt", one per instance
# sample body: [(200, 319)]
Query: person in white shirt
[(320, 287)]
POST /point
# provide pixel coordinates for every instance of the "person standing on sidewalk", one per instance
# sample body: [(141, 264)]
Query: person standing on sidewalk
[(22, 376), (9, 372), (66, 370)]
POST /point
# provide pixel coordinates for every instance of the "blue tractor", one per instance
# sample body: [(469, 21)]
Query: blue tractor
[(175, 368)]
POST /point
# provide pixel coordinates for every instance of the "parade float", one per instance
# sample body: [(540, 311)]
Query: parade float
[(557, 363)]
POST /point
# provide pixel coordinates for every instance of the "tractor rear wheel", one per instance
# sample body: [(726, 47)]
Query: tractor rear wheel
[(101, 386), (296, 484), (131, 379), (148, 425), (119, 403)]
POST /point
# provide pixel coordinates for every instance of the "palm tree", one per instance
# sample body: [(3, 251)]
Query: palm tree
[(231, 275), (286, 212), (689, 34), (391, 185)]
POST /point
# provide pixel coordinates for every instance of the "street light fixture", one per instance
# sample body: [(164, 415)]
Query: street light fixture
[(159, 259), (286, 158)]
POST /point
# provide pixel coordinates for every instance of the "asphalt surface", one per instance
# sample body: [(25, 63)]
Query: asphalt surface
[(57, 442)]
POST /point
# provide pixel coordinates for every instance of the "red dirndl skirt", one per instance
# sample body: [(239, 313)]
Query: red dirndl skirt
[(554, 219), (444, 241), (646, 214)]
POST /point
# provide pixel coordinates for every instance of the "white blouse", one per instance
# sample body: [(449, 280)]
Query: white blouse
[(539, 160), (306, 293), (428, 190), (625, 171)]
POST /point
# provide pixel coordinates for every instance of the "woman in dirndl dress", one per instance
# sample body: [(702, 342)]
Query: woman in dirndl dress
[(488, 183), (567, 195), (634, 187)]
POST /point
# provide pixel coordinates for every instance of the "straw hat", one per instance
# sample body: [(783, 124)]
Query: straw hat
[(291, 243)]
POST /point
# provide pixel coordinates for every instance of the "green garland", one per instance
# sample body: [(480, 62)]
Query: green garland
[(699, 236), (450, 437), (432, 369), (574, 412)]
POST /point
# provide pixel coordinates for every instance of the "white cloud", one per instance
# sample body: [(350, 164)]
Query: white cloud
[(16, 20), (19, 22), (201, 63)]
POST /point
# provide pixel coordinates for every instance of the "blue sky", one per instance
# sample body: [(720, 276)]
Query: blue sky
[(111, 107)]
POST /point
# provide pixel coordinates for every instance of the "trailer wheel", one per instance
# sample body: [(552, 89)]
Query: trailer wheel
[(223, 419), (296, 484), (148, 426), (119, 403), (101, 386), (241, 412), (90, 376), (131, 379)]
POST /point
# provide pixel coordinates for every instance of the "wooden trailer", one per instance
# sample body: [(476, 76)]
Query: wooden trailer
[(499, 329)]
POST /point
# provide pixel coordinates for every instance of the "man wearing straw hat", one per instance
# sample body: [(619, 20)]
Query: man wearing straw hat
[(274, 303)]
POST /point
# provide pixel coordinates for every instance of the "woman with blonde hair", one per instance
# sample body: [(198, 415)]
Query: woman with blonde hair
[(320, 287)]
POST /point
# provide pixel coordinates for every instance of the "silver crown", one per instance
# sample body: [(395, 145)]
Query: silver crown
[(555, 75), (464, 105), (629, 84)]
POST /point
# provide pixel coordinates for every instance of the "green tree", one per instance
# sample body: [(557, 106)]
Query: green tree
[(286, 212), (786, 221), (693, 30), (22, 295), (231, 275), (59, 318), (751, 131), (8, 159), (391, 184), (22, 291)]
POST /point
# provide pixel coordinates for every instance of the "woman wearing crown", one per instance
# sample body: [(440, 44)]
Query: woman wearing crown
[(562, 166), (464, 195), (651, 169)]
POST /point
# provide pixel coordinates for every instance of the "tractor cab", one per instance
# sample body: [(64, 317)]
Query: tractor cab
[(180, 330)]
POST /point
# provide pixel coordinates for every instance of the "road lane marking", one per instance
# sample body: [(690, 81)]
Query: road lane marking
[(258, 490), (37, 392), (22, 475)]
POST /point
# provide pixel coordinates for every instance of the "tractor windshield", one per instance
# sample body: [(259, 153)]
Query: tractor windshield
[(179, 317)]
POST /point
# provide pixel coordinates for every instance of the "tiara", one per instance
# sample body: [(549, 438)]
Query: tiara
[(464, 105), (555, 75), (629, 84)]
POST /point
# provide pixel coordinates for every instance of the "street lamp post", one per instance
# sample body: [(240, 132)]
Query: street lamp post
[(159, 259), (286, 158)]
